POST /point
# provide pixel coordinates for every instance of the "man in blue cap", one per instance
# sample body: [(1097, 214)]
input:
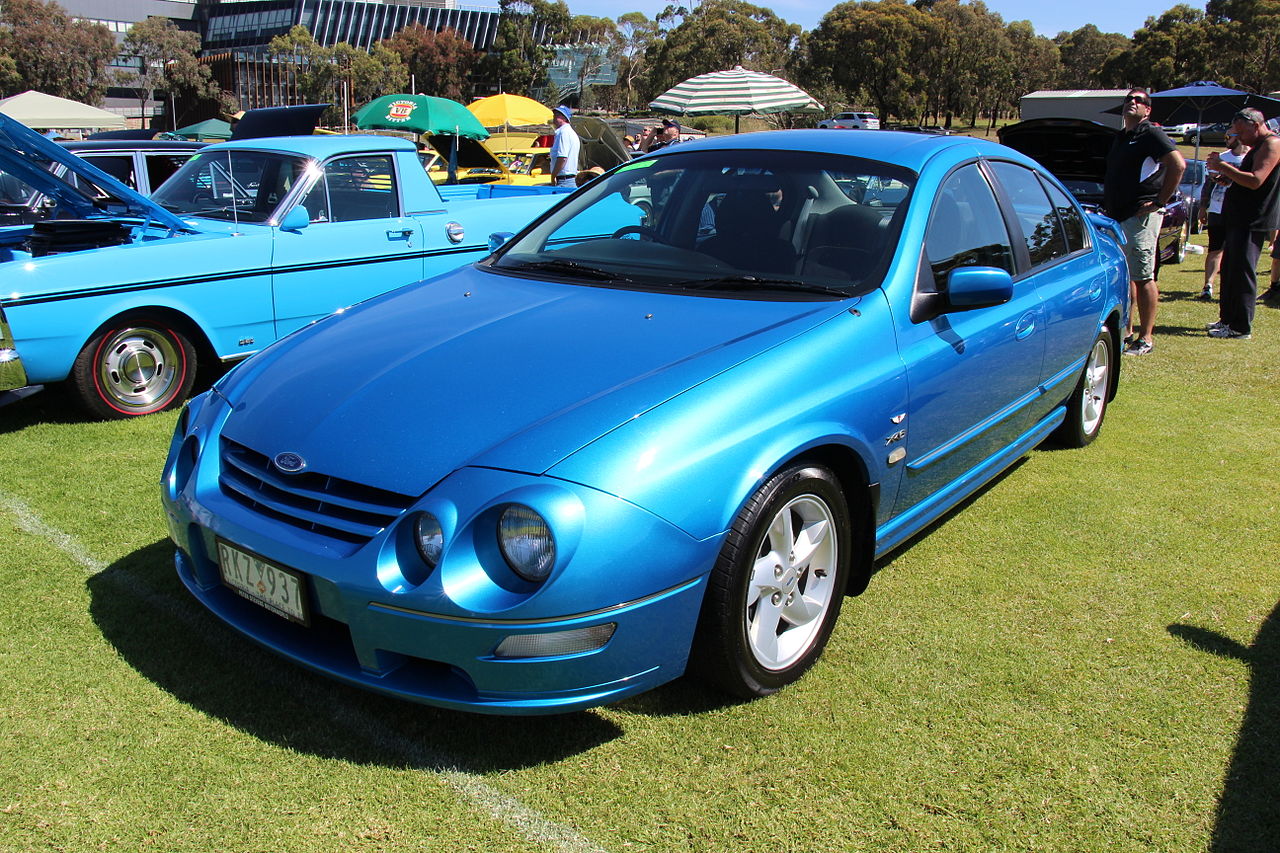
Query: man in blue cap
[(564, 149)]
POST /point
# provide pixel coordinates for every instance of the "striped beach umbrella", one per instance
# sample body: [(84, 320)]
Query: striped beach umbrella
[(737, 92)]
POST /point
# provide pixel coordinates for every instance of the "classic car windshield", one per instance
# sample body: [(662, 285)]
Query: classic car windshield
[(767, 224), (242, 185)]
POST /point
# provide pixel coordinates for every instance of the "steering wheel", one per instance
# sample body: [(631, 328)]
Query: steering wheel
[(641, 231)]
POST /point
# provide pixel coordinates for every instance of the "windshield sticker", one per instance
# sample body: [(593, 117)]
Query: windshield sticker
[(640, 164)]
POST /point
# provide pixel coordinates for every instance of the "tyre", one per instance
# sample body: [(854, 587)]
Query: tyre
[(1087, 404), (777, 586), (136, 366)]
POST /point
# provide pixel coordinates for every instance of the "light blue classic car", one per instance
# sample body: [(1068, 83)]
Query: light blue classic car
[(635, 442), (125, 296)]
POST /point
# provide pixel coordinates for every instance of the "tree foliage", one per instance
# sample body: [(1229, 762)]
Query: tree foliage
[(1169, 51), (1084, 53), (715, 36), (48, 51), (439, 62), (167, 61), (330, 74), (520, 56)]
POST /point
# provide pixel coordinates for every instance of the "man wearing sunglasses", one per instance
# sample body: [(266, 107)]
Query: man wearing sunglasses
[(1143, 171)]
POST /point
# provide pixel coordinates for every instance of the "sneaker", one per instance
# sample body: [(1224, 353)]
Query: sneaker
[(1216, 324), (1228, 332), (1206, 295), (1271, 294), (1139, 347)]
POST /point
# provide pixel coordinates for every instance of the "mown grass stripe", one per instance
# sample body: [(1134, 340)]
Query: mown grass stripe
[(529, 823)]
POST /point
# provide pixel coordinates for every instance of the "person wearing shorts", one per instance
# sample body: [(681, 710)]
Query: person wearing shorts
[(1143, 171), (1211, 215)]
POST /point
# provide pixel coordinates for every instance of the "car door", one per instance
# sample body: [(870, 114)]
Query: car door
[(358, 242), (971, 373), (1061, 266)]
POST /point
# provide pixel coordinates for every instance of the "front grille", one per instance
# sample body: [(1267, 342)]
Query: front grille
[(338, 509)]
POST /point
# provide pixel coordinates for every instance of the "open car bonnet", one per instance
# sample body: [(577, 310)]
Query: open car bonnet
[(1072, 149), (26, 155)]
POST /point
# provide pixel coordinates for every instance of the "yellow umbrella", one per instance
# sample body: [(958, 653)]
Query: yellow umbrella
[(499, 110)]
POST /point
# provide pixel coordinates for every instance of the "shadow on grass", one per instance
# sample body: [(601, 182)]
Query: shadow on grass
[(1248, 816), (146, 613), (50, 406)]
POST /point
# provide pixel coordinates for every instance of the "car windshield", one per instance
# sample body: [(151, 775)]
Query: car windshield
[(754, 224), (245, 186)]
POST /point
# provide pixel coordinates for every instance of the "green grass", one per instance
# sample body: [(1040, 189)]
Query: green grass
[(1086, 657)]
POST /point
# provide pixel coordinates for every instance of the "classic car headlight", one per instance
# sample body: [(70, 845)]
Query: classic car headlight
[(429, 538), (526, 542)]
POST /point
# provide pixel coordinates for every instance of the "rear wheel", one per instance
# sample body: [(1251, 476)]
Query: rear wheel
[(136, 366), (1088, 402), (777, 586)]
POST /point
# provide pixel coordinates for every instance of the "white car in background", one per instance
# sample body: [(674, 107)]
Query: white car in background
[(852, 121)]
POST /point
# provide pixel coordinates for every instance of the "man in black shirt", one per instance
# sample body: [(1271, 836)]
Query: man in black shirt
[(1143, 170), (1250, 212)]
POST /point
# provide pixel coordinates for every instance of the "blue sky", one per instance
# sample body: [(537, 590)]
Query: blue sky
[(1049, 18)]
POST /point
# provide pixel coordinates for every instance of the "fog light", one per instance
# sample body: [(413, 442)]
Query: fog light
[(556, 643)]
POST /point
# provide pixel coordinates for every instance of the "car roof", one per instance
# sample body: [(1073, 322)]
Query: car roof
[(912, 150), (132, 145), (319, 147)]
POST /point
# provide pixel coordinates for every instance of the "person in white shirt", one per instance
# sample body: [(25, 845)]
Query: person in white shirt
[(1211, 213), (564, 149)]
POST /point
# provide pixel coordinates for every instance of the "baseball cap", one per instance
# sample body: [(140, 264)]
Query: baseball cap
[(564, 111), (666, 122)]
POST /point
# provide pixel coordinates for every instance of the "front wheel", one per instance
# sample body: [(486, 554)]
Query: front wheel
[(134, 367), (777, 586), (1088, 402)]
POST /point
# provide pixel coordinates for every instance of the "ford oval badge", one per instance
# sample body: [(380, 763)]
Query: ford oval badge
[(290, 463)]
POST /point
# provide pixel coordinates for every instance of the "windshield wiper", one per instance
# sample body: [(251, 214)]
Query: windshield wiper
[(753, 282), (572, 268)]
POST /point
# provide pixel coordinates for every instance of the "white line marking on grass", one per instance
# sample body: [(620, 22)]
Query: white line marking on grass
[(531, 825)]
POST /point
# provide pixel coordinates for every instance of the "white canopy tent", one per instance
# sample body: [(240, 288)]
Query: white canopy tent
[(38, 110)]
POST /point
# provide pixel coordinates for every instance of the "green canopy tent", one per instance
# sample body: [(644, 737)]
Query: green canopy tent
[(736, 92), (423, 114), (206, 131)]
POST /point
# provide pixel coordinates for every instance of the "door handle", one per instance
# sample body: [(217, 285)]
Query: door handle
[(1026, 326), (399, 233)]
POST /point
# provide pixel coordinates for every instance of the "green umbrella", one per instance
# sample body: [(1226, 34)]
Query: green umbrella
[(420, 114), (203, 131)]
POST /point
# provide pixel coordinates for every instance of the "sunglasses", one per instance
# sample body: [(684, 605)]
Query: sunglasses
[(1137, 99)]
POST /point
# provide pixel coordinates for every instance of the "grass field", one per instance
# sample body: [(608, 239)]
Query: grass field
[(1085, 658)]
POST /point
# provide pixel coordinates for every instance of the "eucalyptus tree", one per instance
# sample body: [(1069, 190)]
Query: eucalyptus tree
[(167, 61), (439, 62), (1084, 52), (49, 51)]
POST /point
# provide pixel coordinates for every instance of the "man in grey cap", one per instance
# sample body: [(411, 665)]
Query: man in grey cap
[(565, 148)]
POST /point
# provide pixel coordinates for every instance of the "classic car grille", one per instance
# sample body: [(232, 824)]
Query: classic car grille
[(339, 509)]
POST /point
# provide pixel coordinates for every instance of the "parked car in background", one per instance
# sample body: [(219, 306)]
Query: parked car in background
[(1189, 190), (627, 445), (141, 165), (851, 121), (1075, 151), (125, 296), (1213, 134)]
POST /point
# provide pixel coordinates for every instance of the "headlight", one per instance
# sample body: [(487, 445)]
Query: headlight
[(526, 543), (429, 538)]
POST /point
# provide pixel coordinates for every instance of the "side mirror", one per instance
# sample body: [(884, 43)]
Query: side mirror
[(296, 219), (498, 239), (978, 287)]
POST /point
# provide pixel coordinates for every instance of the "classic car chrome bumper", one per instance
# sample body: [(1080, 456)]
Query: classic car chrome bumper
[(13, 377)]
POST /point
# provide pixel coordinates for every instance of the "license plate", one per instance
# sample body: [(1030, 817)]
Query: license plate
[(274, 587)]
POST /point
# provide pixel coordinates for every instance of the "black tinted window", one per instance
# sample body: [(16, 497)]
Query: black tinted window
[(1039, 223), (966, 228), (1071, 218)]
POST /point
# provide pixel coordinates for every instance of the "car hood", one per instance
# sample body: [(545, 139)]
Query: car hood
[(26, 155), (477, 368), (1072, 149)]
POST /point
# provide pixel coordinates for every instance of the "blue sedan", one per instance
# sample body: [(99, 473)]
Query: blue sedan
[(668, 427)]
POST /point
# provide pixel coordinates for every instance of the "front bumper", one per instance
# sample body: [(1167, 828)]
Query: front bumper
[(13, 376), (378, 622)]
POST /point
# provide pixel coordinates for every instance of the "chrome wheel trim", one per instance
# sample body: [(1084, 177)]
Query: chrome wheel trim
[(138, 369), (1097, 379), (792, 583)]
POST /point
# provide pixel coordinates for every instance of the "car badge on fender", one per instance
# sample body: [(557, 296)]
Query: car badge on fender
[(289, 463)]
